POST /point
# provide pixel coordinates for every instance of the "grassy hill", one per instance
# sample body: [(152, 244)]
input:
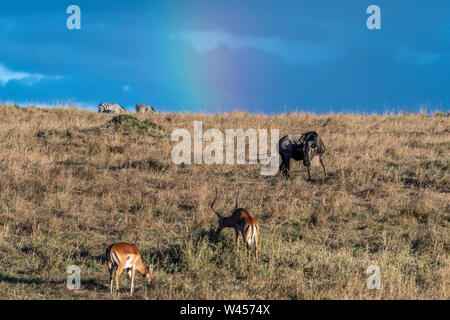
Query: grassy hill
[(72, 182)]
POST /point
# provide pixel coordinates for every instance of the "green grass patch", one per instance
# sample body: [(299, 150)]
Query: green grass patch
[(132, 125)]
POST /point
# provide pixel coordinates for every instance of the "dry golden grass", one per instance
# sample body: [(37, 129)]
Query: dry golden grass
[(70, 186)]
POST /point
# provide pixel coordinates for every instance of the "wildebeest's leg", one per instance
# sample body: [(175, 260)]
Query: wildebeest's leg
[(285, 167), (323, 166), (307, 158)]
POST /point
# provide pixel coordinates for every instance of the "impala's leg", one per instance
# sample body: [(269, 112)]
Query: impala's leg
[(118, 272), (237, 240), (323, 166), (309, 173), (248, 252), (111, 272), (256, 245), (132, 280)]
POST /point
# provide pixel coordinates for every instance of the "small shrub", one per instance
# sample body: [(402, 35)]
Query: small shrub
[(131, 124)]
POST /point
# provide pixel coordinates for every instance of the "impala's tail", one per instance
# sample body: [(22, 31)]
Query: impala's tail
[(107, 255), (111, 257), (252, 231)]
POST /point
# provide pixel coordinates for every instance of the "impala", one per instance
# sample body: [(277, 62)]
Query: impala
[(122, 256), (243, 222)]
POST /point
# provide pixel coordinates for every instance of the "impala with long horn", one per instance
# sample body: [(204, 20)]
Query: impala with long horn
[(126, 256), (243, 222)]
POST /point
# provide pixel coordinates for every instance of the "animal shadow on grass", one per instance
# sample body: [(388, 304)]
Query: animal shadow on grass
[(210, 234), (87, 284), (32, 280), (215, 239), (94, 284), (330, 178)]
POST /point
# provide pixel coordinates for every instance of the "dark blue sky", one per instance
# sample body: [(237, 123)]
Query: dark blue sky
[(211, 55)]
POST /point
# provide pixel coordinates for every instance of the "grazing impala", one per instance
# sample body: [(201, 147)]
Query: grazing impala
[(126, 256), (243, 222)]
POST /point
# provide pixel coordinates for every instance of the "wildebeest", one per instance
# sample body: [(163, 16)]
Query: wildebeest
[(143, 108), (304, 147), (105, 107)]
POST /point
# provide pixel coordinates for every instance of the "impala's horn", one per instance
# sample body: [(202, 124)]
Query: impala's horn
[(212, 205)]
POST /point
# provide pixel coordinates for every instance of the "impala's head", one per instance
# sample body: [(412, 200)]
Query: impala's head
[(148, 274), (220, 219), (221, 224)]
